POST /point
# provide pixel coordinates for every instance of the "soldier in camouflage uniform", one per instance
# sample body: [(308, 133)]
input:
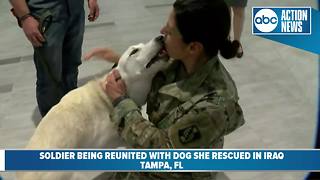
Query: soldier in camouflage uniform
[(194, 102)]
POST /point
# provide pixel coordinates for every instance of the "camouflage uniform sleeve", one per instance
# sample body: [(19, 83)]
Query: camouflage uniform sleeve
[(199, 127), (137, 131)]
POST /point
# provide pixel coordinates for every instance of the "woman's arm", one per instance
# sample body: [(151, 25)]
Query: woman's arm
[(200, 127)]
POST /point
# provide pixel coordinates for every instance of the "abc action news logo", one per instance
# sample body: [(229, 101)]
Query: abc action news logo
[(281, 20)]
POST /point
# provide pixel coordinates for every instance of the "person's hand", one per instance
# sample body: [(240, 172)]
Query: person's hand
[(114, 86), (103, 53), (94, 10), (30, 27)]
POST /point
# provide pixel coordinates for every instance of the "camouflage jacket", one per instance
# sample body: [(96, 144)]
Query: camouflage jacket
[(193, 111)]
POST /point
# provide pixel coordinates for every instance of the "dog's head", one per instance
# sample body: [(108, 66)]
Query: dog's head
[(139, 64), (145, 58)]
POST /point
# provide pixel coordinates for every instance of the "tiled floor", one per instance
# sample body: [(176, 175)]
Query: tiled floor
[(277, 84)]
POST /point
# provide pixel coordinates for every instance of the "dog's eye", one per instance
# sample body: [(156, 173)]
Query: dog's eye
[(133, 52)]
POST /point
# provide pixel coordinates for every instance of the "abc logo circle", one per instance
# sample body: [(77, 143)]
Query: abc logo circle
[(266, 20)]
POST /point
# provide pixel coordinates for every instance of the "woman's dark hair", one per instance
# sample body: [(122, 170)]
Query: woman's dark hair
[(207, 22)]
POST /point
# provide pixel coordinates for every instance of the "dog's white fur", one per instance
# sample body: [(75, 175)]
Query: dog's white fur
[(81, 118)]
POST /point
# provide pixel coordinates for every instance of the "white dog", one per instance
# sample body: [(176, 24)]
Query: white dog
[(81, 118)]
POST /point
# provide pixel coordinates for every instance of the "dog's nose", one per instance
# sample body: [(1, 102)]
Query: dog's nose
[(160, 39)]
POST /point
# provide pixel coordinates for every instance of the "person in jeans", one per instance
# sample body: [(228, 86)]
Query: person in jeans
[(55, 29)]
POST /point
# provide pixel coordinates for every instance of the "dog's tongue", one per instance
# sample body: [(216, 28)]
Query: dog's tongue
[(161, 55), (163, 52)]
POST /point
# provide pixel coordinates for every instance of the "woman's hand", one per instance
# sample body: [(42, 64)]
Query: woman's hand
[(114, 86), (103, 53)]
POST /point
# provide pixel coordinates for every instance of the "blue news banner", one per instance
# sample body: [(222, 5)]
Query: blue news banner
[(281, 20), (159, 160)]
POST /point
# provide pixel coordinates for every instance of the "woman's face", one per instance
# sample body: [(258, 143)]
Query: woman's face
[(174, 44)]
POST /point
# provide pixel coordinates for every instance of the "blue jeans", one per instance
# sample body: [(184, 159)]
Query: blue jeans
[(58, 59)]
